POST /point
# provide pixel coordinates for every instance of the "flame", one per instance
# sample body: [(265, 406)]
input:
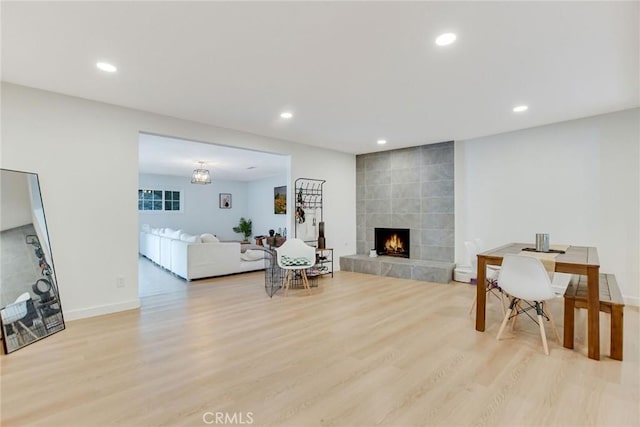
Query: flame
[(394, 244)]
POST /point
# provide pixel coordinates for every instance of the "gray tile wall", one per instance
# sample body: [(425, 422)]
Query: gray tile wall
[(408, 188)]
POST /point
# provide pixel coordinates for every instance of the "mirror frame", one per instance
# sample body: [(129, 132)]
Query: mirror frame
[(48, 275)]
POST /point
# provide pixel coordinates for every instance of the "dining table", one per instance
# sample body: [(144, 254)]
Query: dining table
[(580, 260)]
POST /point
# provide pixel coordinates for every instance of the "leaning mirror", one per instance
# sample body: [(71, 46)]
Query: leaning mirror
[(29, 296)]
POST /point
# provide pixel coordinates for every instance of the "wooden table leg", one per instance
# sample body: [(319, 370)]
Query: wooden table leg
[(481, 299), (569, 322), (593, 312)]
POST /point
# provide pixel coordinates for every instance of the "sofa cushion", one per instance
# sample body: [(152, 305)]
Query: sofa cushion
[(171, 233), (252, 255), (190, 238), (209, 238)]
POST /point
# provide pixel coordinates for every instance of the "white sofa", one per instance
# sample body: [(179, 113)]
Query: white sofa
[(197, 256)]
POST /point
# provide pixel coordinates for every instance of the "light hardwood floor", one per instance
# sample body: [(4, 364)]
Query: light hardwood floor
[(362, 350)]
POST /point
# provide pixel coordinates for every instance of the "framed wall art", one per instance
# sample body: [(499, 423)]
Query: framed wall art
[(280, 200), (225, 200)]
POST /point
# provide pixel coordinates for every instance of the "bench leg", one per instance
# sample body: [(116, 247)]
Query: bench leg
[(569, 320), (616, 332)]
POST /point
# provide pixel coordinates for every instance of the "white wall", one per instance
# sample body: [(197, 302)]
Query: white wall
[(201, 209), (88, 166), (576, 180), (15, 200), (260, 207)]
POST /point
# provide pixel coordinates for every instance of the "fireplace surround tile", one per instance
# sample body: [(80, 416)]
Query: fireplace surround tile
[(405, 191), (430, 274), (405, 206), (402, 271), (405, 176), (378, 220), (366, 267), (382, 191), (437, 253), (438, 205), (377, 162), (361, 248), (406, 220), (437, 188), (441, 221), (378, 177), (436, 237), (377, 206), (439, 172), (405, 158), (430, 271), (437, 155)]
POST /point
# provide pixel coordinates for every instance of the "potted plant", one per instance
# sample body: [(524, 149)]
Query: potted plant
[(244, 227)]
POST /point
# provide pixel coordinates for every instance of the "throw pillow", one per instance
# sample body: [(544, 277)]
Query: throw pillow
[(252, 255), (209, 238), (189, 238)]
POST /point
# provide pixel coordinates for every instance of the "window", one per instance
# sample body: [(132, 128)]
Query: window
[(159, 200), (171, 200)]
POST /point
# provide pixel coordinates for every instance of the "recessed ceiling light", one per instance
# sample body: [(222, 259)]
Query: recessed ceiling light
[(286, 115), (445, 39), (520, 108), (105, 66), (382, 141)]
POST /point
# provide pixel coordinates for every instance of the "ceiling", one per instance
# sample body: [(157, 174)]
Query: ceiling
[(350, 72), (169, 156)]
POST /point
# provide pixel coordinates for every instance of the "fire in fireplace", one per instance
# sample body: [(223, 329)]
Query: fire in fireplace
[(392, 242)]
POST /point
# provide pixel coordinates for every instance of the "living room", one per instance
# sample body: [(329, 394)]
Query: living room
[(568, 166), (239, 184)]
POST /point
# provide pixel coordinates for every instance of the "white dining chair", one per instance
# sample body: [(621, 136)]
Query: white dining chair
[(14, 313), (492, 275), (525, 279), (295, 255)]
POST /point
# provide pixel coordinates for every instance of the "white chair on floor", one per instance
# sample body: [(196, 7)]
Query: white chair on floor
[(14, 313), (525, 279), (492, 274), (295, 255)]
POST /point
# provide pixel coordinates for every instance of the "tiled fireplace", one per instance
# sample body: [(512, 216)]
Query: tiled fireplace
[(409, 189)]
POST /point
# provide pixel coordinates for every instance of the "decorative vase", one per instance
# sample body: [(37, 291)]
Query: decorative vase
[(322, 244)]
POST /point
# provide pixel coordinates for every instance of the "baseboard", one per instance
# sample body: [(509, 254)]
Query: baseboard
[(100, 310), (631, 301)]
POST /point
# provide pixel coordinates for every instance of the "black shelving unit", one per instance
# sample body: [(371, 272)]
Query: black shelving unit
[(324, 261), (308, 196)]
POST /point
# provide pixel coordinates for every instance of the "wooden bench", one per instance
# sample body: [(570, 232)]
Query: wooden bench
[(610, 302)]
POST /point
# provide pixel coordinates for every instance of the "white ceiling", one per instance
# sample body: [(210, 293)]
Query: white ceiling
[(169, 156), (351, 72)]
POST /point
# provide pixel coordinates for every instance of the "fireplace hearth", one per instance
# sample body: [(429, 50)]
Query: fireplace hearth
[(392, 242)]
